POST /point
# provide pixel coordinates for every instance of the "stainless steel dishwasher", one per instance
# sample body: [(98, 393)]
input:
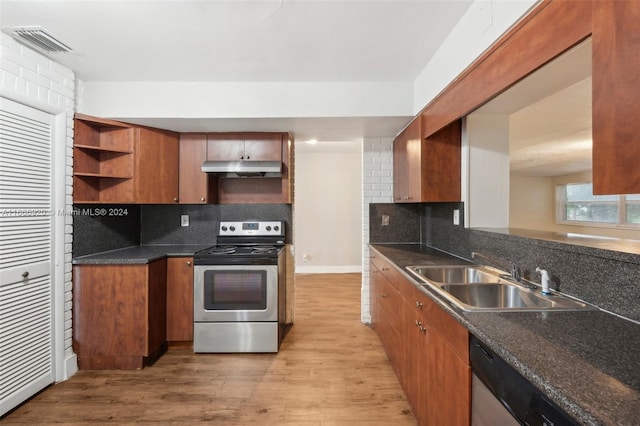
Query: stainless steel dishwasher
[(502, 396)]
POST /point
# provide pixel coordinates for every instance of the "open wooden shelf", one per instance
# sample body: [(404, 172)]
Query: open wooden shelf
[(102, 149)]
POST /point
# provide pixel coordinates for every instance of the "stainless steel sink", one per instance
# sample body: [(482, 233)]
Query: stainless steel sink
[(508, 297), (455, 274), (481, 288)]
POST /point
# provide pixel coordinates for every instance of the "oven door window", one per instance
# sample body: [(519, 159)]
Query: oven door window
[(235, 290)]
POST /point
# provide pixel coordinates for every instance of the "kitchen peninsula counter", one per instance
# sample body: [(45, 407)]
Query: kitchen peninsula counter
[(585, 361)]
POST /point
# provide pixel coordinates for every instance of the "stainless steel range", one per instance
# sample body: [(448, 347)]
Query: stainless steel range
[(239, 291)]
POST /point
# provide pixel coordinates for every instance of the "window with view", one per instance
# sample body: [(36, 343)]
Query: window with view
[(577, 204)]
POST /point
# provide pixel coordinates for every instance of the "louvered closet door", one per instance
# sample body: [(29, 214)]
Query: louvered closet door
[(26, 286)]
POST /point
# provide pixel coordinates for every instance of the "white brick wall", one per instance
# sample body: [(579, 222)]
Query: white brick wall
[(32, 79), (377, 187)]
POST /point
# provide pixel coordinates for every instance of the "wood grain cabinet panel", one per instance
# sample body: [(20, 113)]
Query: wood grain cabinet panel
[(119, 315), (244, 147), (180, 299), (195, 186), (117, 162), (427, 170), (616, 97), (156, 173), (386, 302)]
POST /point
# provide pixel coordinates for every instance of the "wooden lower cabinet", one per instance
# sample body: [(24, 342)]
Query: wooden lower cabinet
[(180, 299), (414, 336), (448, 394), (119, 315), (385, 301), (427, 348)]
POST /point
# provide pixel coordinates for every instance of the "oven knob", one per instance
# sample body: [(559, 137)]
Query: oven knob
[(224, 228), (268, 228), (276, 228), (232, 228)]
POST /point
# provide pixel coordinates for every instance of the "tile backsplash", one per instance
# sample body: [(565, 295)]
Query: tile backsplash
[(94, 232), (160, 224)]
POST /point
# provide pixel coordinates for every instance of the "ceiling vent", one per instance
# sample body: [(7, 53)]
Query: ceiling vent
[(38, 38)]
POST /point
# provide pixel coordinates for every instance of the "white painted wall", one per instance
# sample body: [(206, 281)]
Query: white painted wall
[(487, 176), (32, 79), (377, 187), (327, 208), (479, 28), (140, 99), (531, 202)]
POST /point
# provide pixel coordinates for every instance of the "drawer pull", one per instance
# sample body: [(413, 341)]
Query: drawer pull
[(384, 295), (418, 304), (25, 274)]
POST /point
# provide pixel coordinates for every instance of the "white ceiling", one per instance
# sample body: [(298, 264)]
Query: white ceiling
[(266, 40)]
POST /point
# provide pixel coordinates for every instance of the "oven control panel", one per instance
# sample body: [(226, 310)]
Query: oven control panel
[(261, 228)]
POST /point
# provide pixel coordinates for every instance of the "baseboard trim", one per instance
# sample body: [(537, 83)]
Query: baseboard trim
[(70, 366)]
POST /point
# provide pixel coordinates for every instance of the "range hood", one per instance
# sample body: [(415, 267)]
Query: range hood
[(243, 168)]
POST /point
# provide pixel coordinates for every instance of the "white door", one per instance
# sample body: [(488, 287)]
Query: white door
[(26, 281)]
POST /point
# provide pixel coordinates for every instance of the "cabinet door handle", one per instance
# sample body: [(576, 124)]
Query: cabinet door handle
[(188, 263), (384, 295), (418, 323), (202, 199), (25, 274), (418, 304), (385, 268), (422, 329), (248, 158), (175, 199)]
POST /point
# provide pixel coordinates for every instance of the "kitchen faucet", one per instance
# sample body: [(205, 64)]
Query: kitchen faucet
[(515, 273), (544, 279)]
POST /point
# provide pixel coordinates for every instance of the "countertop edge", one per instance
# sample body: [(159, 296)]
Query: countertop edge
[(139, 255)]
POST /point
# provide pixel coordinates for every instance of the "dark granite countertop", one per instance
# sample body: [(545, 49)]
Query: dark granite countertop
[(139, 255), (588, 362)]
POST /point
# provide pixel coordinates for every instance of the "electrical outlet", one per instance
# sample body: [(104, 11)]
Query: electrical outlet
[(305, 257), (456, 217), (184, 220), (385, 220)]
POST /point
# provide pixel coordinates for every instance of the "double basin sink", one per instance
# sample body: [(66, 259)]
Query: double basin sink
[(481, 288)]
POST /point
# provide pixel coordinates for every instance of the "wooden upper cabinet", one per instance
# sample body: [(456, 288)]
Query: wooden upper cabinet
[(441, 164), (407, 163), (196, 187), (103, 161), (400, 172), (244, 147), (616, 97), (116, 162), (428, 169), (156, 173)]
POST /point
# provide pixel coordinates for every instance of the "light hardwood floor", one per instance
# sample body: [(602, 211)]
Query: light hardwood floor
[(331, 370)]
